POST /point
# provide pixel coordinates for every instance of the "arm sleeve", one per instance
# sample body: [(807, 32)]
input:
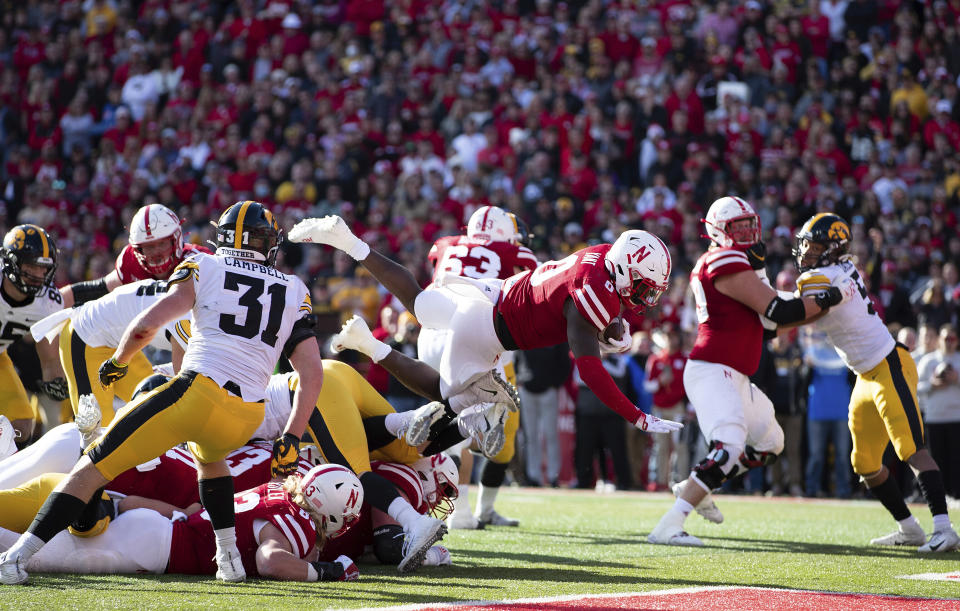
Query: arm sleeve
[(599, 381)]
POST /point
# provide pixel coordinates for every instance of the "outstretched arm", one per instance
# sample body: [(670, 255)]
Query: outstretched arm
[(747, 288)]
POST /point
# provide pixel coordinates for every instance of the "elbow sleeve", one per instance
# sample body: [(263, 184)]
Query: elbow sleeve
[(88, 291), (785, 311)]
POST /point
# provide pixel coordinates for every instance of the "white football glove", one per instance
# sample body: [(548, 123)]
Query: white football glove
[(652, 424), (331, 230), (618, 346)]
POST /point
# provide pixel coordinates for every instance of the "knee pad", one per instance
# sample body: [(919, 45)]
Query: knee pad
[(751, 457), (388, 543), (434, 309), (718, 466)]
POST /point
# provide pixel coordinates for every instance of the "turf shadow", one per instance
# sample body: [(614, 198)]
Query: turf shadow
[(807, 547)]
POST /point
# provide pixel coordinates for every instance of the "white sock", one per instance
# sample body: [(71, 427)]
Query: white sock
[(909, 522), (941, 522), (683, 507), (462, 502), (486, 499), (226, 538), (394, 421), (403, 512), (26, 546)]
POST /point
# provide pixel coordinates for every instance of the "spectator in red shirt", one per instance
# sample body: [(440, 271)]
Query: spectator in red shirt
[(665, 382), (942, 123)]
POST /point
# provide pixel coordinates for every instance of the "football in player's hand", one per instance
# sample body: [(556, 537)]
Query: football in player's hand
[(614, 330)]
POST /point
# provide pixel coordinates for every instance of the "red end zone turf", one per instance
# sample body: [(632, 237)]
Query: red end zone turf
[(718, 598)]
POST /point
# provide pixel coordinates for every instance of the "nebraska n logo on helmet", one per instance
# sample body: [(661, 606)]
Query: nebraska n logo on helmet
[(248, 230), (640, 265), (724, 214), (335, 495)]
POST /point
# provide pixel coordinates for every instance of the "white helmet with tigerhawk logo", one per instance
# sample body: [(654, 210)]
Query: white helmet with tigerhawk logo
[(640, 265), (334, 493), (492, 224), (725, 211), (439, 476), (154, 223)]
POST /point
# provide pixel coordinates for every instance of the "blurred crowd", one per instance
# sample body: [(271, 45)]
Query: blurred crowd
[(582, 117)]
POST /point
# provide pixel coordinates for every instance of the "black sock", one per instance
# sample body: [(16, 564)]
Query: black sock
[(447, 438), (96, 510), (493, 474), (377, 433), (378, 491), (931, 486), (216, 496), (57, 512), (888, 493)]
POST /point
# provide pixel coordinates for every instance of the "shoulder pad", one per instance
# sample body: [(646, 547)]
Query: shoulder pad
[(185, 270), (812, 281)]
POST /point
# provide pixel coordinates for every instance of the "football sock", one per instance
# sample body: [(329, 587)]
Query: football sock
[(908, 522), (403, 512), (888, 493), (683, 507), (216, 496), (486, 498), (493, 474), (226, 537), (446, 438), (379, 492), (941, 521), (931, 486), (375, 429), (393, 421), (462, 503), (57, 512)]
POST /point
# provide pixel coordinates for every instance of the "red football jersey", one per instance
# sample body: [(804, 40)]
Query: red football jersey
[(357, 537), (532, 302), (172, 477), (193, 545), (463, 256), (130, 270), (729, 332)]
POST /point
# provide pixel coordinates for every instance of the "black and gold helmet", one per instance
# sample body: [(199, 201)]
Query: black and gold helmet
[(827, 230), (28, 245), (249, 230)]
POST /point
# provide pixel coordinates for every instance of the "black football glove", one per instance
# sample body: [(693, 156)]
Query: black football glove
[(56, 389), (757, 254), (831, 297), (286, 454), (111, 371)]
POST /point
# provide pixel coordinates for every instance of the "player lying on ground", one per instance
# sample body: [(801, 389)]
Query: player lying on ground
[(731, 290), (279, 528), (573, 300), (883, 404)]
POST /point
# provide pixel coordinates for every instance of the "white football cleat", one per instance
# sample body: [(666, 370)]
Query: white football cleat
[(485, 423), (945, 540), (230, 566), (417, 429), (11, 570), (356, 335), (437, 555), (331, 230), (495, 519), (423, 533), (463, 520), (8, 438), (912, 535), (672, 534), (707, 509), (88, 418), (491, 388)]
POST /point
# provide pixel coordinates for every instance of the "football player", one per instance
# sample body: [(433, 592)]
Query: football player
[(245, 313), (883, 404), (279, 525), (156, 247), (728, 283), (575, 300), (492, 248), (29, 259)]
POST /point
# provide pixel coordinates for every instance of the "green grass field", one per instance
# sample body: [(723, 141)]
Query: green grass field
[(570, 543)]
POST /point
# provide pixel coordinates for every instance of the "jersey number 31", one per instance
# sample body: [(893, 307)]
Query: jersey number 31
[(250, 299)]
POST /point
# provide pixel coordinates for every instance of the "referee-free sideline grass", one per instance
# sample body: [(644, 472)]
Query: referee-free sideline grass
[(570, 542)]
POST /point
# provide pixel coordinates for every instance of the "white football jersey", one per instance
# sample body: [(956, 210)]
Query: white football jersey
[(102, 322), (242, 316), (16, 318), (278, 406), (853, 326)]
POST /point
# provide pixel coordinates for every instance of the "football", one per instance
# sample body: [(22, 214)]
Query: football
[(614, 330)]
